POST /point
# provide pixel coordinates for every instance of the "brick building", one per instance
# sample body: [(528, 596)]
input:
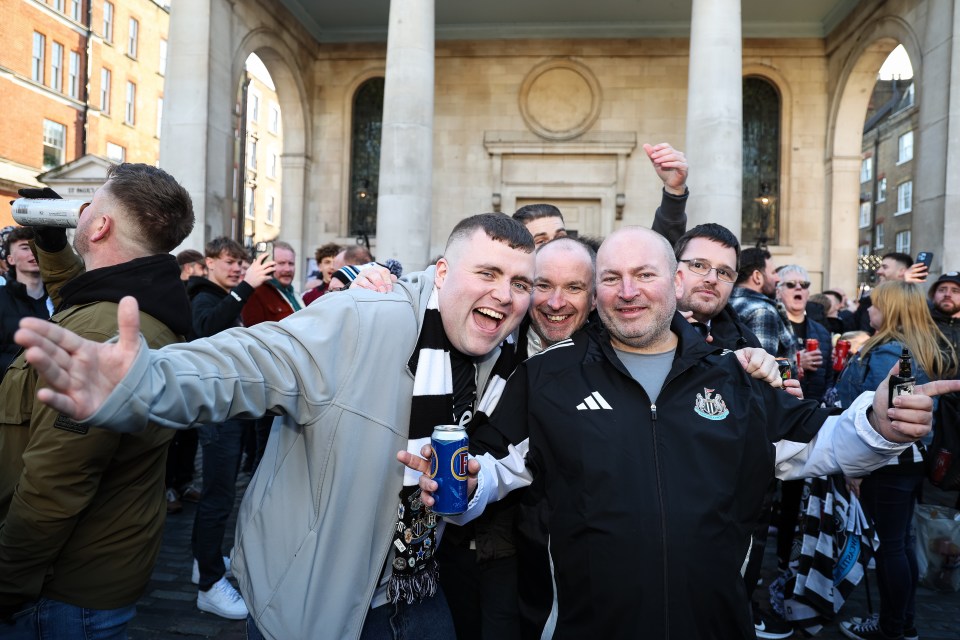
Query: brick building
[(887, 173), (78, 77)]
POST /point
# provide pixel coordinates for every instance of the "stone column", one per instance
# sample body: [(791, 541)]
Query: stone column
[(404, 206), (715, 114), (196, 141), (936, 187)]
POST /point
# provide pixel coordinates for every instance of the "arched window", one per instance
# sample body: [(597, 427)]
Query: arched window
[(761, 162), (365, 157)]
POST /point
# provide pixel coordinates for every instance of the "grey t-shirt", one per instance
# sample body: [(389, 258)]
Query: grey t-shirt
[(649, 369)]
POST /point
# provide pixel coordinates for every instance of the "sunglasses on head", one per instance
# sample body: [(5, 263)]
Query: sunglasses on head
[(791, 284)]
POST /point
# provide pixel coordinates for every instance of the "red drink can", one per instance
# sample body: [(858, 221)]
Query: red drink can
[(812, 344), (799, 367), (840, 353), (940, 465)]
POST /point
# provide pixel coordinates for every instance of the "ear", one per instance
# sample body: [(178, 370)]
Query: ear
[(209, 263), (443, 268), (677, 285), (757, 277), (103, 228)]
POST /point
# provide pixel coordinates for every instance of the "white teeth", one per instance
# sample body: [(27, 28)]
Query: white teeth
[(496, 315), (556, 318)]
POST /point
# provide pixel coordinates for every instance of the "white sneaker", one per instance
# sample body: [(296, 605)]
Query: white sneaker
[(222, 600), (195, 574)]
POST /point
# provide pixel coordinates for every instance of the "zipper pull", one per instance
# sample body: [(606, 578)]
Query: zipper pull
[(653, 412)]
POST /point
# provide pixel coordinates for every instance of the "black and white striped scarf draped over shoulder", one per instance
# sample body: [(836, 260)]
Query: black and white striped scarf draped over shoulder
[(414, 569)]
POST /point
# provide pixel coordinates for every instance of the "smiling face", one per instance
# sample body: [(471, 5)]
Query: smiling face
[(562, 290), (546, 229), (706, 295), (21, 257), (484, 291), (225, 270), (286, 265), (637, 290), (890, 269)]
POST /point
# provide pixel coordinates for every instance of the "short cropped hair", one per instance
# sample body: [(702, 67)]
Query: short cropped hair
[(329, 250), (280, 244), (497, 226), (531, 212), (157, 208), (711, 231), (905, 259), (188, 256), (751, 259), (356, 254), (218, 246)]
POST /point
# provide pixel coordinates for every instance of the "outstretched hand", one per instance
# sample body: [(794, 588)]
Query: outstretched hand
[(80, 373), (911, 416), (428, 486), (670, 165)]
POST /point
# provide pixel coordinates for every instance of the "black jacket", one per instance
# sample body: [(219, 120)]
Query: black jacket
[(949, 326), (15, 303), (650, 508), (730, 333), (214, 308)]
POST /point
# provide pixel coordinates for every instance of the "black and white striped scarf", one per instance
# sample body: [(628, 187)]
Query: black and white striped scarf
[(414, 569)]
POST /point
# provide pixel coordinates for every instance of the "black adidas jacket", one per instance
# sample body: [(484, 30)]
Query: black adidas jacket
[(650, 509)]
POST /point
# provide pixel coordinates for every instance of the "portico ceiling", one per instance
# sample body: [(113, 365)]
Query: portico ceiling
[(366, 20)]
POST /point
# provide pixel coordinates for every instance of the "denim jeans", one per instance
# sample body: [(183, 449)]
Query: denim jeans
[(221, 460), (427, 620), (888, 499), (47, 618)]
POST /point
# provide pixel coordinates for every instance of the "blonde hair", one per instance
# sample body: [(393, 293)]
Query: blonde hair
[(907, 320)]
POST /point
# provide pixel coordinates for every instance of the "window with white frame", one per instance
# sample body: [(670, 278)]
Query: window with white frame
[(116, 153), (905, 147), (271, 204), (105, 80), (863, 250), (163, 56), (73, 75), (882, 190), (878, 237), (132, 36), (272, 164), (54, 144), (159, 115), (903, 241), (866, 170), (249, 203), (274, 122), (252, 155), (108, 22), (864, 215), (905, 197), (130, 104), (909, 96), (75, 9), (56, 66), (253, 108), (58, 5), (39, 56)]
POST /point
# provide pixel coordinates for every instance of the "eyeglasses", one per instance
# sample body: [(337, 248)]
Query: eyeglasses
[(794, 284), (702, 268)]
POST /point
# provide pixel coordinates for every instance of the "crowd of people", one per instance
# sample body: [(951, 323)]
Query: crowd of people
[(626, 414)]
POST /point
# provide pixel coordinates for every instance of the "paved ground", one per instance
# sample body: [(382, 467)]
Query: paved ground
[(168, 609)]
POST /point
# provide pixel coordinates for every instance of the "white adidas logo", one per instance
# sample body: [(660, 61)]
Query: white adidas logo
[(594, 402)]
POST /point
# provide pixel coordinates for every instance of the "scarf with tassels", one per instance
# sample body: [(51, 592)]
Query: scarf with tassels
[(414, 568)]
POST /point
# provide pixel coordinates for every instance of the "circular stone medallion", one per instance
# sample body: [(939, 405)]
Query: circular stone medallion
[(560, 99)]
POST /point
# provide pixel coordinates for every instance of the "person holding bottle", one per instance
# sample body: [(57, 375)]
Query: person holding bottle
[(905, 334)]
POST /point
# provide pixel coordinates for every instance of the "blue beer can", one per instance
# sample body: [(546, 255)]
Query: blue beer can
[(448, 468)]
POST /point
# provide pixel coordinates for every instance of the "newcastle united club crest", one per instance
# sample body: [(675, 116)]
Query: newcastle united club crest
[(711, 407)]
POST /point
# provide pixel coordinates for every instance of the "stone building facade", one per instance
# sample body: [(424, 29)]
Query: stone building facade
[(486, 116)]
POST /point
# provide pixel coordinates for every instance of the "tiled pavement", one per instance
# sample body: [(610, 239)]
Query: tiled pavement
[(168, 608)]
